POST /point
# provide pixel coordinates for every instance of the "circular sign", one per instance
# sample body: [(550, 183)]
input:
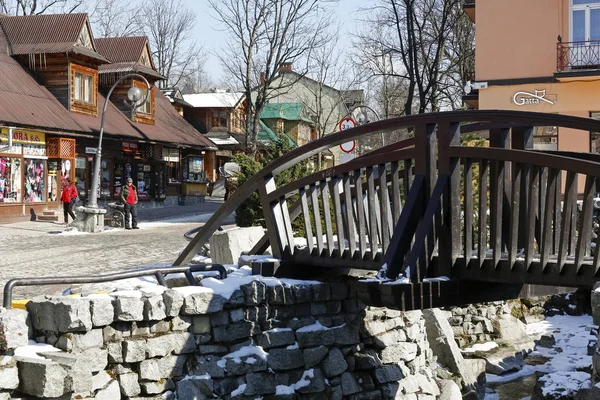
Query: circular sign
[(348, 147), (347, 123)]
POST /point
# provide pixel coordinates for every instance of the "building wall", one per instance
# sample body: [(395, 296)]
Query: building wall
[(518, 39)]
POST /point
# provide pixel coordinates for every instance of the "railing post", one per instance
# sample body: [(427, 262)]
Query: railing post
[(274, 219), (500, 193), (522, 139), (450, 235)]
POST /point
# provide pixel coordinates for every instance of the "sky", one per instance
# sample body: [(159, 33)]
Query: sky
[(212, 39)]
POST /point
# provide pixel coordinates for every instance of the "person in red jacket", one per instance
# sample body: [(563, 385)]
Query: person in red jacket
[(68, 198), (129, 197)]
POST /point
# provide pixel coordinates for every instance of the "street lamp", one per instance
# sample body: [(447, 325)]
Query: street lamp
[(134, 94), (363, 117)]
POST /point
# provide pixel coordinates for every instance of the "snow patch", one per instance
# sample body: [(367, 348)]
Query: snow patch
[(32, 349), (481, 347), (245, 351)]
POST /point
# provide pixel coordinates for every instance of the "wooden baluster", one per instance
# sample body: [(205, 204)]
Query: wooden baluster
[(548, 236), (522, 139), (384, 209), (497, 196), (483, 208), (396, 204), (288, 225), (273, 218), (307, 225), (314, 195), (542, 205), (584, 239), (557, 211), (468, 211), (360, 214), (337, 205), (372, 205), (513, 238), (327, 218), (567, 219), (408, 177), (350, 214), (534, 191)]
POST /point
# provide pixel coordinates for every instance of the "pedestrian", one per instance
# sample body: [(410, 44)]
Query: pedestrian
[(129, 197), (68, 198)]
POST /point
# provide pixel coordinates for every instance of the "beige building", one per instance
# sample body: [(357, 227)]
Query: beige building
[(542, 56)]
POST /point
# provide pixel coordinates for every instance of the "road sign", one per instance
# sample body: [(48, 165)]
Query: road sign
[(348, 147), (347, 123)]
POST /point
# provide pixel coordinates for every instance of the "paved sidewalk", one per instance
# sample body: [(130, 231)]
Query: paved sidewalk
[(210, 205)]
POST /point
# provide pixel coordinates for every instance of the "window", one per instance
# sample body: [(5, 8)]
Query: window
[(10, 180), (84, 88), (146, 107), (545, 138), (35, 179), (219, 119), (171, 157), (585, 20)]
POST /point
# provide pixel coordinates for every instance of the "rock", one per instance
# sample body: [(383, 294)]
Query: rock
[(284, 359), (349, 384), (260, 383), (41, 377), (102, 310), (316, 379), (311, 338), (198, 300), (334, 364), (110, 392), (546, 388), (154, 308), (156, 369), (449, 390), (233, 332), (388, 373), (254, 293), (129, 306), (95, 358), (547, 341), (157, 387), (348, 334), (58, 314), (195, 387), (129, 384), (512, 331), (403, 351), (227, 246), (367, 360), (314, 355), (115, 352), (134, 350), (100, 380), (78, 342), (177, 343), (443, 346), (596, 303), (9, 373), (173, 302), (278, 337), (79, 370)]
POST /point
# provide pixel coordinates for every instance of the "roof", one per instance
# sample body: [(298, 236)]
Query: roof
[(48, 33), (24, 102), (124, 54), (213, 100), (287, 111), (174, 95)]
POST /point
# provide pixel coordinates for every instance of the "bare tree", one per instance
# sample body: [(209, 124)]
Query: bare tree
[(34, 7), (168, 25), (263, 36), (198, 81), (412, 36), (112, 18)]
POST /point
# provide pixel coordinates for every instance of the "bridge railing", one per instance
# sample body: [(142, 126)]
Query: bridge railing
[(410, 208)]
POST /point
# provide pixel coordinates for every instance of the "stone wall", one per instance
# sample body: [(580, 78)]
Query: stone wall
[(275, 339), (475, 322)]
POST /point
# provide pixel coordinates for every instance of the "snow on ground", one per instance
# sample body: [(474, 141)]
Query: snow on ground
[(572, 335), (32, 349), (480, 347)]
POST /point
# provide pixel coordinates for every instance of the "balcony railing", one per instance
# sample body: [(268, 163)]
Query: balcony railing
[(578, 55)]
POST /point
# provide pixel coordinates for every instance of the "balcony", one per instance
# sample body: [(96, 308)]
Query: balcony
[(577, 59), (469, 8)]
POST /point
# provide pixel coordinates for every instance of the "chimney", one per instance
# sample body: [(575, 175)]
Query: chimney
[(286, 67)]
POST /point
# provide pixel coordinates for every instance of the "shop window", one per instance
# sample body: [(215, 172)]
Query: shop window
[(10, 180), (81, 170), (143, 181), (171, 157), (105, 179), (194, 171), (545, 138), (219, 119), (54, 188), (35, 181)]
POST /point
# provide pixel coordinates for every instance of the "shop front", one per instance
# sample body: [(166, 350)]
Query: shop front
[(25, 182)]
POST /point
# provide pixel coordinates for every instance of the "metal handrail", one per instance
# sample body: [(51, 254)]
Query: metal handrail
[(160, 274), (482, 119)]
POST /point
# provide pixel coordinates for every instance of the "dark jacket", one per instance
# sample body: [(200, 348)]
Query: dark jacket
[(125, 193)]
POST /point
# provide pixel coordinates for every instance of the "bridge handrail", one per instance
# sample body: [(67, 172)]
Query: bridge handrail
[(479, 119)]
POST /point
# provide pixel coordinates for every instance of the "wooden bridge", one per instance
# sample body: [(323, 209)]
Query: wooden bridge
[(490, 219)]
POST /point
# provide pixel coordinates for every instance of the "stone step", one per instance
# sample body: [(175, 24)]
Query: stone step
[(49, 212)]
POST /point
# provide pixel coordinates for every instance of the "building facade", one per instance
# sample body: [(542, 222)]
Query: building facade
[(52, 91), (539, 56)]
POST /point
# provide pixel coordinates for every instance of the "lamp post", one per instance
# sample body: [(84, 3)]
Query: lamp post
[(134, 94)]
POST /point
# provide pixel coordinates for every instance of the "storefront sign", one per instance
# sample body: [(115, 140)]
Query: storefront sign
[(526, 98), (127, 146), (24, 136)]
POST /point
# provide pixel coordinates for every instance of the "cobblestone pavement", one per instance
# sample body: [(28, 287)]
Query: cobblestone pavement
[(35, 249)]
